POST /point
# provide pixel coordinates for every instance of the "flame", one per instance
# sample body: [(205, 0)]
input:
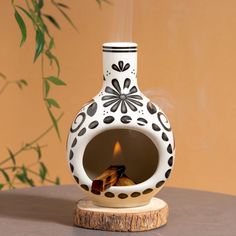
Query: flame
[(117, 149)]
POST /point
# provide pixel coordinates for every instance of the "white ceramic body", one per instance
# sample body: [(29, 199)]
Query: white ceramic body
[(119, 86)]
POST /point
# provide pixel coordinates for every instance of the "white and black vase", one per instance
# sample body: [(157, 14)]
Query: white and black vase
[(120, 112)]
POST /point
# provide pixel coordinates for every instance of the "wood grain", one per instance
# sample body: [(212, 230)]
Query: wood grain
[(151, 216)]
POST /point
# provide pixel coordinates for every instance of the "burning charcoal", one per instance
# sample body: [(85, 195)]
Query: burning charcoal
[(124, 181), (108, 178)]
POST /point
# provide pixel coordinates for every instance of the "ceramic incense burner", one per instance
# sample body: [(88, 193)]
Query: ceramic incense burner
[(121, 114)]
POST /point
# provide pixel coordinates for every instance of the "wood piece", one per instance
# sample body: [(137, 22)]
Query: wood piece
[(108, 178), (150, 216), (124, 181)]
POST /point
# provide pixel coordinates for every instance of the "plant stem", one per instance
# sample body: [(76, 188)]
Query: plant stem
[(32, 142), (35, 173), (4, 87)]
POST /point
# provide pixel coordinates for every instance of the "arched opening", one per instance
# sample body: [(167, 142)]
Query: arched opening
[(138, 154)]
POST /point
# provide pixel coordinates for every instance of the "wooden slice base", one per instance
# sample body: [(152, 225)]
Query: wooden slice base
[(151, 216)]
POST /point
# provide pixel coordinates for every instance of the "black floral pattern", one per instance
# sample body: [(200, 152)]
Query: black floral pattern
[(121, 67), (124, 98)]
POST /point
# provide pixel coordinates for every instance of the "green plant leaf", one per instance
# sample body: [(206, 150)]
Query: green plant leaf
[(52, 102), (40, 4), (24, 82), (26, 13), (11, 155), (39, 152), (100, 2), (51, 44), (1, 186), (39, 43), (57, 181), (62, 5), (66, 17), (55, 80), (22, 27), (29, 181), (52, 20), (42, 171), (6, 176), (47, 87), (3, 76), (21, 177), (21, 83), (52, 58), (54, 122)]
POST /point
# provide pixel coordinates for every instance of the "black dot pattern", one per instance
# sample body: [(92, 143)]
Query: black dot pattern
[(142, 121), (167, 174), (148, 190), (164, 137), (135, 194), (108, 119), (122, 195), (71, 168), (109, 194), (125, 119), (160, 183), (169, 149), (156, 127), (85, 187), (76, 179), (74, 142), (93, 124), (82, 132), (151, 108), (170, 161), (71, 155), (94, 191), (92, 109)]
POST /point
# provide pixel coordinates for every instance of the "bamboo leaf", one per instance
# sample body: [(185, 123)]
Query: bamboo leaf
[(6, 176), (22, 27), (26, 13), (24, 82), (62, 5), (52, 102), (39, 43), (54, 122), (11, 155), (57, 181), (21, 83), (42, 171), (47, 87), (55, 80), (29, 181), (39, 152), (21, 177), (3, 76), (52, 20), (1, 186), (40, 4), (51, 44), (51, 57), (67, 18), (100, 2)]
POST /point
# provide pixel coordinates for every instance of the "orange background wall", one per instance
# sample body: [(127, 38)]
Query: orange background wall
[(187, 63)]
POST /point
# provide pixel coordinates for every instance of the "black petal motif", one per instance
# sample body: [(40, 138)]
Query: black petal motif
[(92, 109), (124, 98), (120, 67), (127, 83)]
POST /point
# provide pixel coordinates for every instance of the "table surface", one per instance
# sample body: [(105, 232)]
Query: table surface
[(49, 211)]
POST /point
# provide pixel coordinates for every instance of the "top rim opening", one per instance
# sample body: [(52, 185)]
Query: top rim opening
[(120, 44)]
